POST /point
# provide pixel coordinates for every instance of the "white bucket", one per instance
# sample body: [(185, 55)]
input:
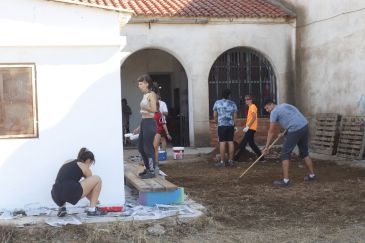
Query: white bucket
[(178, 152)]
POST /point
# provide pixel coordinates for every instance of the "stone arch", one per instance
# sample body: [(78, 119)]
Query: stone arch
[(244, 70), (172, 79)]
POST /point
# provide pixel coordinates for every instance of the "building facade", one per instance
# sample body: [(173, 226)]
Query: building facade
[(59, 91), (200, 53)]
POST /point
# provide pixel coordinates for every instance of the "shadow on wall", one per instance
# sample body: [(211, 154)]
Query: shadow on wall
[(361, 104), (29, 173)]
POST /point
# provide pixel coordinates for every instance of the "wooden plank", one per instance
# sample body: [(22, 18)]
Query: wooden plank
[(323, 143), (324, 139), (326, 119), (349, 141), (326, 123), (351, 137), (326, 128), (325, 133), (324, 151), (156, 184), (346, 155), (358, 133), (353, 123), (168, 185), (353, 128), (136, 182), (347, 151), (352, 146)]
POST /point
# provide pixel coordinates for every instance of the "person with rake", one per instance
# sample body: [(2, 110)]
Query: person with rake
[(296, 125)]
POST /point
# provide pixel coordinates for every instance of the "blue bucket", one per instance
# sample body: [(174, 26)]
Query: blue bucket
[(162, 155)]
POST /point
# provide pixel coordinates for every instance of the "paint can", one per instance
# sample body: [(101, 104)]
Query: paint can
[(162, 155), (178, 152)]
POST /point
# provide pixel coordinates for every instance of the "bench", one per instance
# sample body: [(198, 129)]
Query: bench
[(154, 190)]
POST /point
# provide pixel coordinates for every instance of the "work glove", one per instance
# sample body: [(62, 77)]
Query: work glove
[(245, 129)]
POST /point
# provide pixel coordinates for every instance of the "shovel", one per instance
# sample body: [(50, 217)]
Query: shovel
[(257, 160)]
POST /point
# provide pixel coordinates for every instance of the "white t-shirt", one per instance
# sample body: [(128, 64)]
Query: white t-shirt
[(163, 108)]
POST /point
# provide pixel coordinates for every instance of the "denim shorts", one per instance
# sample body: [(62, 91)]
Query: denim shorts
[(300, 138)]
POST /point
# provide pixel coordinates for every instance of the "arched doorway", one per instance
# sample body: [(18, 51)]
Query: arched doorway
[(170, 77), (243, 71)]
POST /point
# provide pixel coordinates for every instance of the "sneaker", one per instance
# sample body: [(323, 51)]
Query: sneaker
[(96, 212), (308, 178), (281, 183), (157, 171), (149, 174), (61, 212), (143, 172), (219, 164), (231, 163)]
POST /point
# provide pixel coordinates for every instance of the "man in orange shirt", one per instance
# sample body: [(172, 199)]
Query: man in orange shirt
[(250, 129)]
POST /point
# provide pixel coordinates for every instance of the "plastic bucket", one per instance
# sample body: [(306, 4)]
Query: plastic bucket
[(162, 155), (178, 152)]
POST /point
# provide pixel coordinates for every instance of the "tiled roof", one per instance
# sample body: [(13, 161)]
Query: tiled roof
[(193, 8), (204, 8), (104, 4)]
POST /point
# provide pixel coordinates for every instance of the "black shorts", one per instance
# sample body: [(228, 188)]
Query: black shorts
[(66, 191), (225, 133), (163, 133)]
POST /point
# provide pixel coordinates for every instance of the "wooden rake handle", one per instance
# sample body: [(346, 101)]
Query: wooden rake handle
[(257, 160)]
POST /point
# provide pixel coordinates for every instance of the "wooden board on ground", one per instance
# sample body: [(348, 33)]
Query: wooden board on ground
[(352, 137), (157, 184), (326, 134)]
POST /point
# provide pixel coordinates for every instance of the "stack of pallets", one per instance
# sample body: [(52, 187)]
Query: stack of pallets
[(326, 134), (352, 137)]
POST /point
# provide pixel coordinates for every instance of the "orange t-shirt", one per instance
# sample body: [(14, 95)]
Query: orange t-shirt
[(252, 109)]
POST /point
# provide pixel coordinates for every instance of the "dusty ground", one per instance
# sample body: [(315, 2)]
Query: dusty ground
[(253, 210)]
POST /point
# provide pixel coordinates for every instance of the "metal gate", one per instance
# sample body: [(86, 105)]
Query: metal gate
[(243, 71)]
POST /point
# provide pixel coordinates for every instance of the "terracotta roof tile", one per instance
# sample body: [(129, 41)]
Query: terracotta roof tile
[(192, 8)]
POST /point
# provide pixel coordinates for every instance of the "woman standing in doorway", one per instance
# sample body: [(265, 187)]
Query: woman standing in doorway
[(148, 127)]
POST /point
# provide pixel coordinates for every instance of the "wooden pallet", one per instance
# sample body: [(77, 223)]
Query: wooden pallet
[(352, 137), (326, 134)]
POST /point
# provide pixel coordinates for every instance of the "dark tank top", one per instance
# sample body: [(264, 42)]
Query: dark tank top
[(69, 172)]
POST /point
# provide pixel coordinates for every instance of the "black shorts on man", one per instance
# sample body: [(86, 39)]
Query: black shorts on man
[(225, 133)]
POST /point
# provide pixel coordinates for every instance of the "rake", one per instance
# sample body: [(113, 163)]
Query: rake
[(257, 160)]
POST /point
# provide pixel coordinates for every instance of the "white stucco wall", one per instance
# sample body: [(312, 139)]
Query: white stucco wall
[(197, 46), (76, 52), (330, 53)]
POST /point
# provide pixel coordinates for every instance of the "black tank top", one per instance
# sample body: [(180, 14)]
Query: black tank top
[(69, 171)]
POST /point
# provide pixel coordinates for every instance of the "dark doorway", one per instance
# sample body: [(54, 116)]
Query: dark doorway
[(176, 122), (164, 86)]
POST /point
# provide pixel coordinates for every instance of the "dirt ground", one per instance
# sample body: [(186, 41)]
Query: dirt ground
[(332, 209)]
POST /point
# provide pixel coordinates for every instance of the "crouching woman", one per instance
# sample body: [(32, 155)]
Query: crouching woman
[(69, 188)]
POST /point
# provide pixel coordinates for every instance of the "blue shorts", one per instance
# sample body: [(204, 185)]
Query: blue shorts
[(300, 138)]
